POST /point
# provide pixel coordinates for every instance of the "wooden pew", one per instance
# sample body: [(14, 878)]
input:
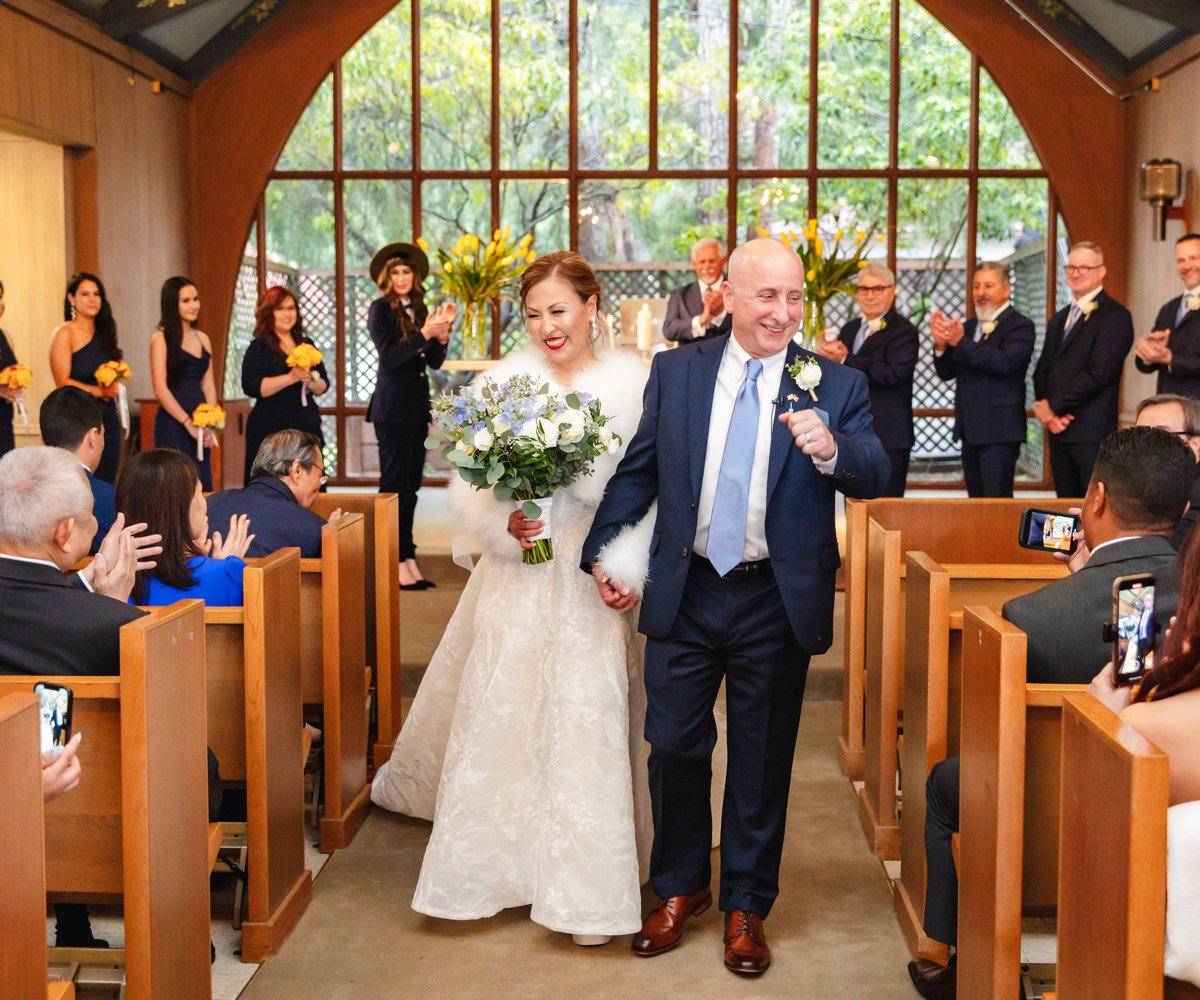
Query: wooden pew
[(254, 728), (949, 531), (382, 559), (332, 672), (969, 583), (22, 832), (137, 826)]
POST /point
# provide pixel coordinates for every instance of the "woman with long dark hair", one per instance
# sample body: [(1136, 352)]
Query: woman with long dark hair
[(181, 369), (285, 396), (81, 345), (7, 396), (409, 340)]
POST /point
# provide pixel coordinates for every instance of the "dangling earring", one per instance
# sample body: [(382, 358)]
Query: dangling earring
[(595, 334), (74, 313)]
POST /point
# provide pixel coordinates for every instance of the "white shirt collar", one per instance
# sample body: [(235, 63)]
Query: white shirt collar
[(741, 355), (1113, 541)]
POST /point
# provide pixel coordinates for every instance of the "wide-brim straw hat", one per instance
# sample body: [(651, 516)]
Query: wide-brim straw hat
[(410, 253)]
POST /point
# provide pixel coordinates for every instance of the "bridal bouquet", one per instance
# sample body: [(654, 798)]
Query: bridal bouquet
[(522, 442)]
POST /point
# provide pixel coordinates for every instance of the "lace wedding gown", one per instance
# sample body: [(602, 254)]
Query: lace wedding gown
[(526, 731)]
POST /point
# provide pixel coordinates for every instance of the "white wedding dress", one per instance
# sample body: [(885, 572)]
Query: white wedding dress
[(526, 733)]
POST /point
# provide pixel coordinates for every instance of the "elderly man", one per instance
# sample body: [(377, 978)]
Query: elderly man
[(1172, 348), (745, 467), (285, 480), (986, 357), (1078, 377), (883, 345), (1178, 415), (696, 310), (73, 420)]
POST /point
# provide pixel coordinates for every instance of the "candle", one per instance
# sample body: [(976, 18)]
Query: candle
[(612, 332), (645, 327)]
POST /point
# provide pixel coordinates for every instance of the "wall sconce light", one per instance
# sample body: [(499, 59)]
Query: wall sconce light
[(1162, 183)]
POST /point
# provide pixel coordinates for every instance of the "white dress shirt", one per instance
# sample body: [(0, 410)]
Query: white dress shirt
[(718, 318), (729, 380)]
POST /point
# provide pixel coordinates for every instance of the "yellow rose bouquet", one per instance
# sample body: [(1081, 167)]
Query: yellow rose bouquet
[(307, 357), (206, 416), (18, 377), (116, 373)]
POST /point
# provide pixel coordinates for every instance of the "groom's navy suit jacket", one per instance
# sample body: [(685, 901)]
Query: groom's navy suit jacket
[(665, 461)]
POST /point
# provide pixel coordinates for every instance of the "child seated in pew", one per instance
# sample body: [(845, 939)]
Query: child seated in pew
[(162, 488)]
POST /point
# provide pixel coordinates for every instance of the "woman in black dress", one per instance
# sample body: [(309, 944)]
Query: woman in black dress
[(82, 344), (409, 341), (7, 396), (181, 368), (267, 378)]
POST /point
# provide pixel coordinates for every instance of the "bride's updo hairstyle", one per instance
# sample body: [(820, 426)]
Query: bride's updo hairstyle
[(567, 266)]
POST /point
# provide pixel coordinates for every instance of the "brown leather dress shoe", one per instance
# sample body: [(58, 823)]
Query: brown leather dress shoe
[(662, 929), (933, 981), (746, 950)]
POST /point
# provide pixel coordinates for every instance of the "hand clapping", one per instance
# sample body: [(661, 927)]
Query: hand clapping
[(1152, 349), (812, 436), (235, 543), (437, 325), (124, 552), (946, 332)]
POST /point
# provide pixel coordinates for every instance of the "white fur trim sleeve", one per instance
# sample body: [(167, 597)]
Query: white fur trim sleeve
[(625, 559), (483, 520)]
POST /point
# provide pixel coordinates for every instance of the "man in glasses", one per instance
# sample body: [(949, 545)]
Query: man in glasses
[(1178, 415), (1078, 377), (883, 345), (1172, 348), (696, 310)]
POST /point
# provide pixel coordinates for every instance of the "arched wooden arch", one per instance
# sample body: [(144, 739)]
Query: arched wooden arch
[(242, 115)]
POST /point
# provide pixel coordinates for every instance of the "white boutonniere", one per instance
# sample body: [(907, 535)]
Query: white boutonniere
[(1193, 302), (807, 374), (988, 328), (875, 325), (1087, 309)]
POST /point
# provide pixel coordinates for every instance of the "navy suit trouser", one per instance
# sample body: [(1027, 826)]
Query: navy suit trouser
[(898, 477), (941, 878), (1071, 466), (989, 469), (733, 629)]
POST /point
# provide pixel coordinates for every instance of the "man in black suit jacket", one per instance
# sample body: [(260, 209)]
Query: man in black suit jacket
[(1178, 415), (1139, 486), (696, 310), (987, 358), (73, 420), (1078, 377), (883, 345), (1172, 348), (285, 480)]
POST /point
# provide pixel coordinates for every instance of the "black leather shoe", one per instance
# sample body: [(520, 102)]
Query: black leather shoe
[(419, 585), (933, 981)]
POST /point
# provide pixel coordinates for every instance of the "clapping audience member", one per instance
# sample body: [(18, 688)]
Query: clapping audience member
[(73, 420), (162, 488), (1178, 415), (1172, 348), (1139, 485), (286, 481), (697, 310)]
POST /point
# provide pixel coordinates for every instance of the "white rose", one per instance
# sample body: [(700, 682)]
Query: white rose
[(549, 432), (612, 447), (483, 439), (571, 427), (605, 437)]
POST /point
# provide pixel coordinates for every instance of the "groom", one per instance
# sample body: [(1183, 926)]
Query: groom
[(743, 464)]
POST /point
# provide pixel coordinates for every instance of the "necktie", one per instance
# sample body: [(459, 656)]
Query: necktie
[(1072, 319), (861, 337), (1183, 308), (727, 528)]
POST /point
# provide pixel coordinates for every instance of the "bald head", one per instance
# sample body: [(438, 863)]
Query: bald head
[(750, 256), (764, 295)]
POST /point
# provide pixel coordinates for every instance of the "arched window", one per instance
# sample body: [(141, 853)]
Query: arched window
[(627, 129)]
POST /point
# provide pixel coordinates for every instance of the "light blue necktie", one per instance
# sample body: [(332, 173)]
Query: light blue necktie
[(1183, 308), (1072, 319), (860, 338), (727, 527)]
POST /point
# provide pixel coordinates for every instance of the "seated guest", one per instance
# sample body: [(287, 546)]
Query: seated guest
[(162, 488), (73, 420), (1178, 415), (697, 310), (1139, 486), (285, 481)]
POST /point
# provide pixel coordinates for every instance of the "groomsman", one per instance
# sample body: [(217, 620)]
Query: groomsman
[(883, 345), (1172, 348), (1078, 377), (986, 358), (696, 310)]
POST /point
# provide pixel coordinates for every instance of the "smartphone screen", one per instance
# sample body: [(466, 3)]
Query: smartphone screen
[(1051, 531), (1136, 628), (54, 705)]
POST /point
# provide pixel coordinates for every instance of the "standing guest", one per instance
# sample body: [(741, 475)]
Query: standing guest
[(285, 396), (7, 396), (181, 368), (162, 488), (1178, 415), (884, 346), (696, 310), (1172, 348), (87, 340), (74, 421), (409, 340), (986, 358), (739, 587), (1078, 377)]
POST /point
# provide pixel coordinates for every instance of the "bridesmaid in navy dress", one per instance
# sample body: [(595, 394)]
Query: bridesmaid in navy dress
[(81, 345), (7, 396), (181, 369), (266, 378)]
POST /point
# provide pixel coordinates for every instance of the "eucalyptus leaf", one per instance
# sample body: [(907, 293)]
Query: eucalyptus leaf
[(531, 510)]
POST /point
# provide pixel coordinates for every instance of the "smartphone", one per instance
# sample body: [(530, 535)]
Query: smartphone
[(1135, 627), (1048, 530), (55, 703)]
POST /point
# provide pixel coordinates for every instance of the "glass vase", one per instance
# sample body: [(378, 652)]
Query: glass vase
[(475, 331), (813, 327)]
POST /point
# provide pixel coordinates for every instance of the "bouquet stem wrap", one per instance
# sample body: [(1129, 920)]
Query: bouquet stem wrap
[(24, 413), (123, 408), (539, 509)]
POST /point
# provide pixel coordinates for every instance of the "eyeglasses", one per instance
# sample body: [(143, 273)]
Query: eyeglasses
[(1081, 269), (873, 289)]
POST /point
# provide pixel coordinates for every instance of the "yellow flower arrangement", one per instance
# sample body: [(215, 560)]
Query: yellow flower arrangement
[(207, 415), (112, 371), (304, 356), (16, 377)]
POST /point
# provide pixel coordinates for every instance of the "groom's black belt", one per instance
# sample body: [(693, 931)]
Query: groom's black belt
[(741, 570)]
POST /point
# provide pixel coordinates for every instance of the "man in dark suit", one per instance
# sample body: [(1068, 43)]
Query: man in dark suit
[(1078, 377), (285, 480), (883, 345), (73, 420), (1172, 348), (744, 465), (1139, 486), (986, 358), (1178, 415), (696, 310)]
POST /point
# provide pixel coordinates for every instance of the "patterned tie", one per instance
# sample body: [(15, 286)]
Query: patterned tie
[(727, 528), (1072, 319), (861, 337)]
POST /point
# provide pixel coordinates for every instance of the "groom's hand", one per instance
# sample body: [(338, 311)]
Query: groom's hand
[(615, 596), (812, 436)]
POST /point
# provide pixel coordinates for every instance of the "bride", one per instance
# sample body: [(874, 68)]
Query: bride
[(519, 744)]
